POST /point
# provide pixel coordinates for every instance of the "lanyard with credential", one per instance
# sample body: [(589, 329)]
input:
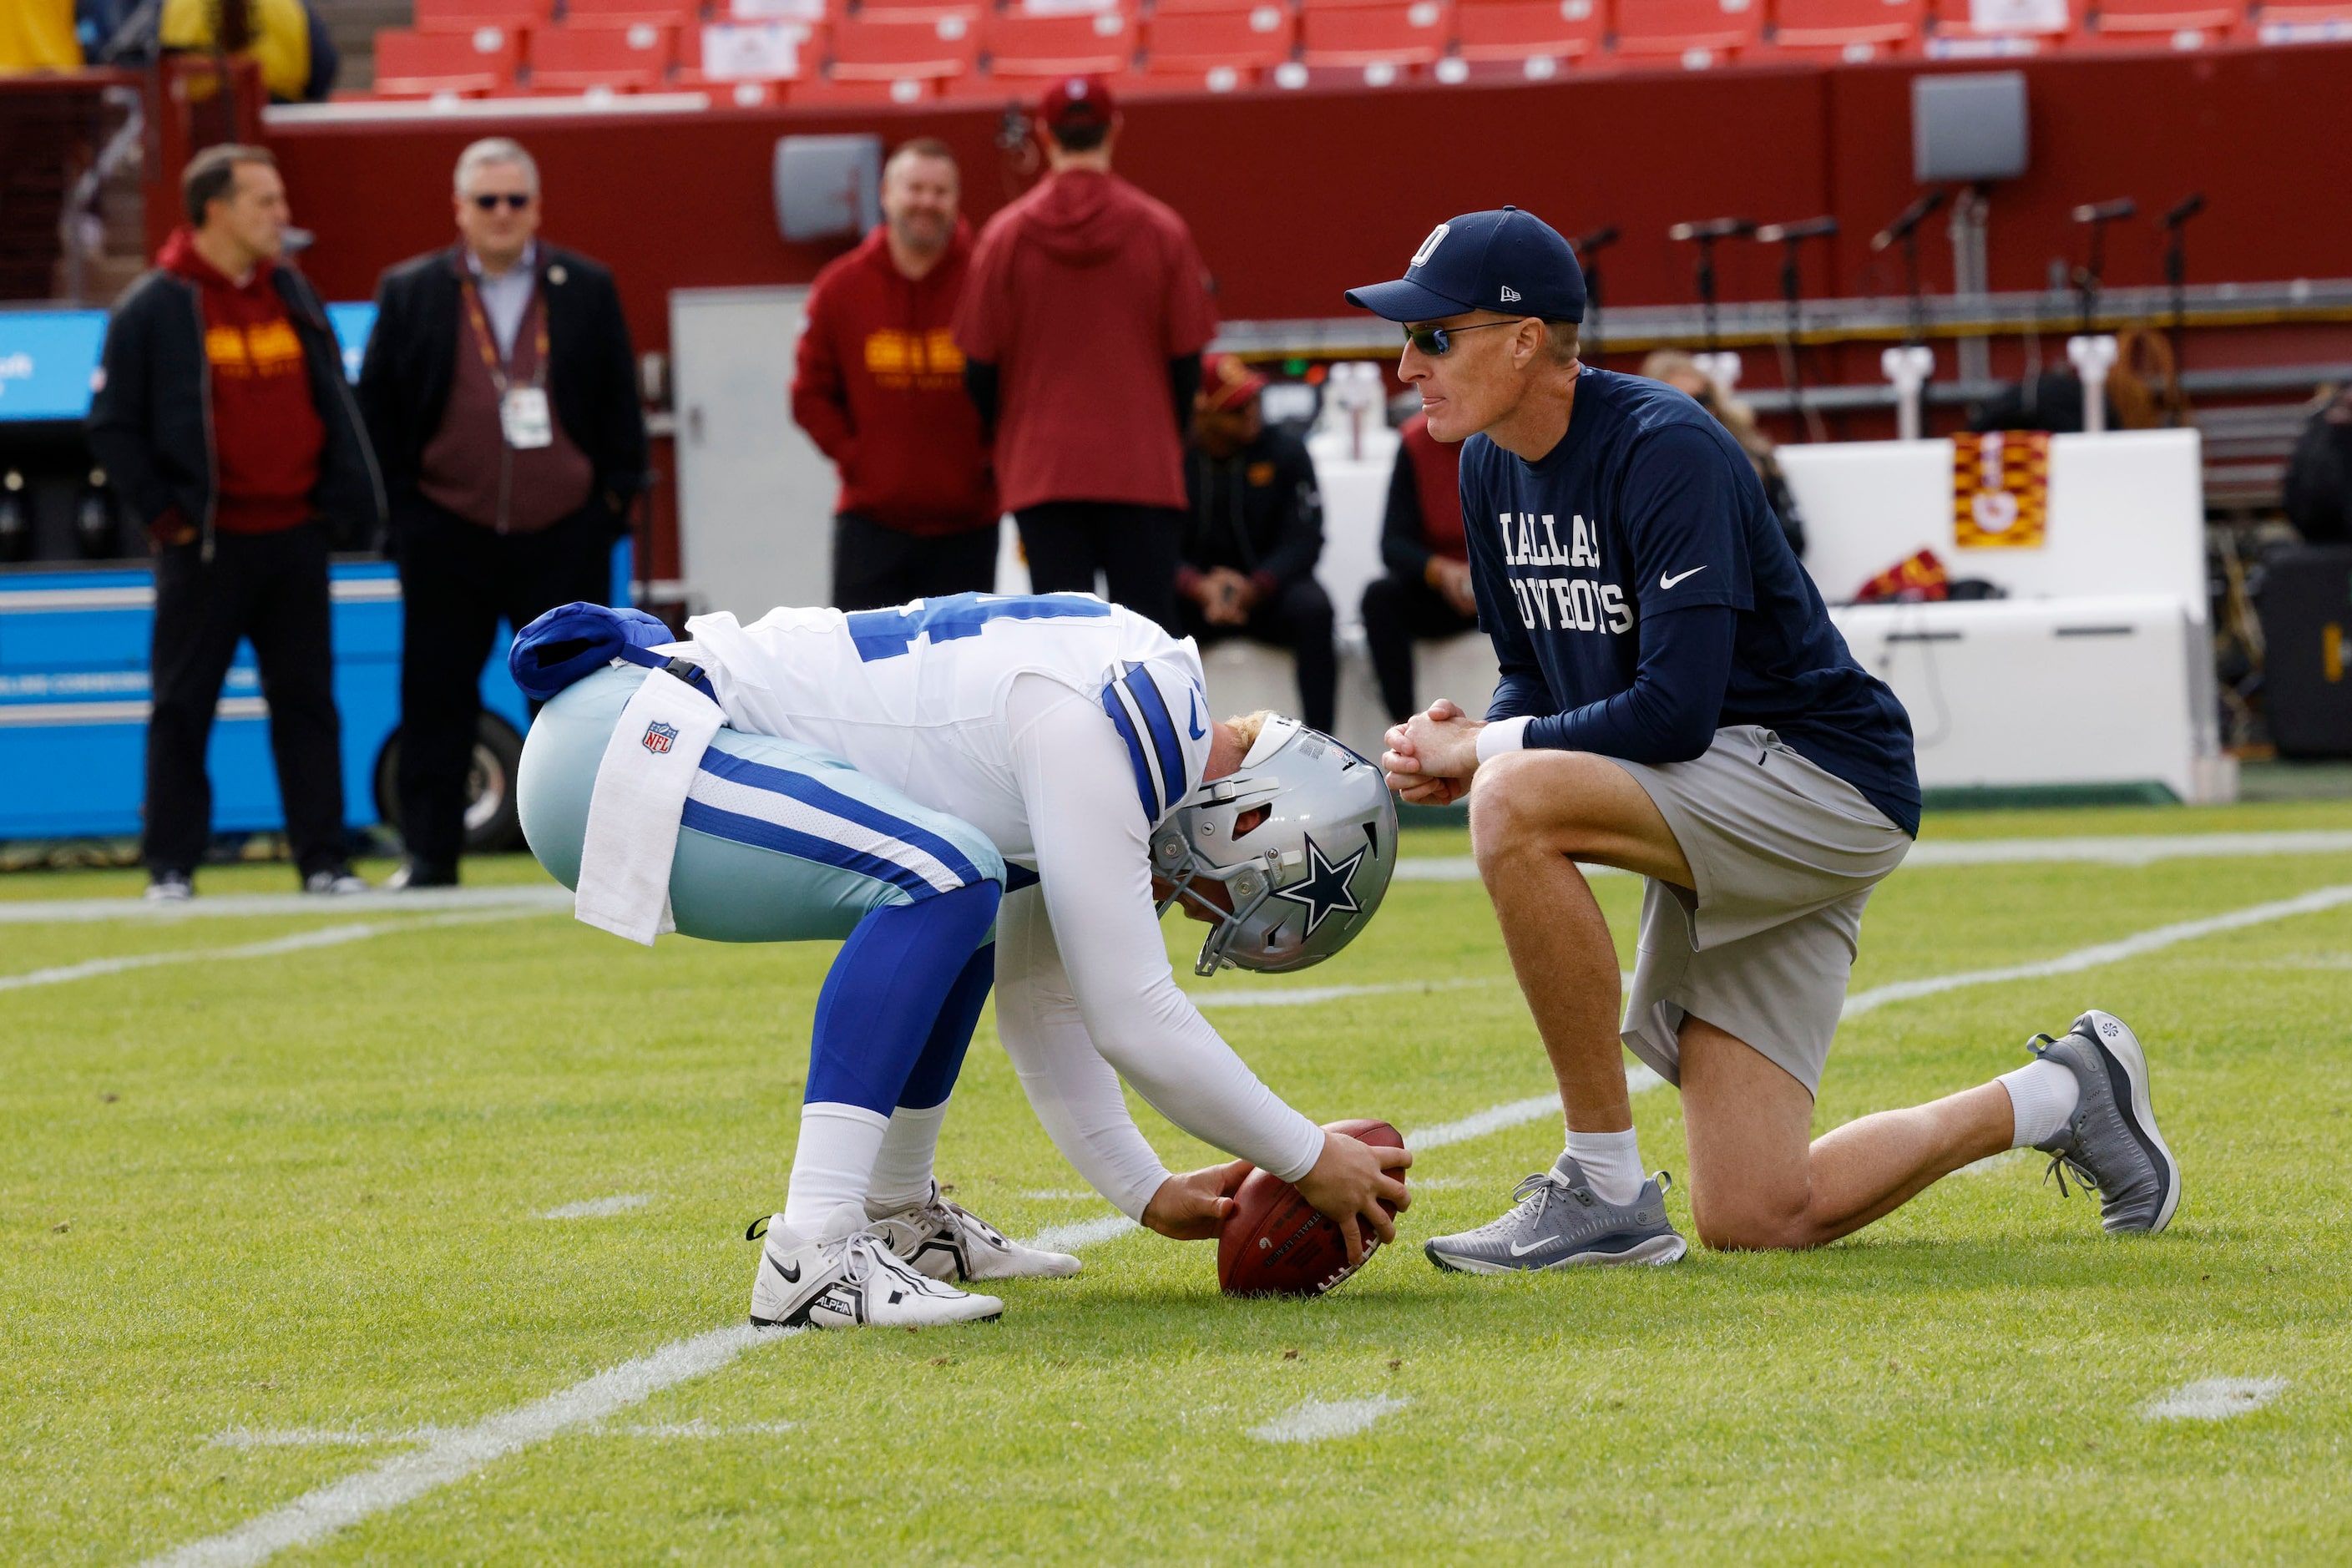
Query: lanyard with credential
[(487, 344)]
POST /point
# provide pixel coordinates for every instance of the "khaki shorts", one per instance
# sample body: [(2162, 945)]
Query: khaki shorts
[(1785, 854)]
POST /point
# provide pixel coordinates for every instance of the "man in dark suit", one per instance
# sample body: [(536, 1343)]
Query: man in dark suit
[(500, 390)]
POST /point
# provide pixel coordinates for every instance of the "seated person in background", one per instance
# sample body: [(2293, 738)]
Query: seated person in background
[(1253, 534), (2143, 392), (1681, 372), (1427, 590), (2319, 475)]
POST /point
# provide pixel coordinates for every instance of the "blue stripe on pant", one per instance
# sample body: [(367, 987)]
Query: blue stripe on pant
[(792, 845)]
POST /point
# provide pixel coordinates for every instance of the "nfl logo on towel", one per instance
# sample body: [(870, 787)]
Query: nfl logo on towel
[(659, 736)]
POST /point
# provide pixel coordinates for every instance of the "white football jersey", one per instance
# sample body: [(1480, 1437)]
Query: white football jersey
[(914, 696), (1065, 730)]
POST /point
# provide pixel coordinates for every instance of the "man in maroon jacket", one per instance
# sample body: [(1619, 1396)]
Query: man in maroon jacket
[(1082, 328), (879, 388)]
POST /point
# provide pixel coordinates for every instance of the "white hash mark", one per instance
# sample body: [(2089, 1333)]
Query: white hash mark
[(2214, 1399), (597, 1208), (1316, 1420)]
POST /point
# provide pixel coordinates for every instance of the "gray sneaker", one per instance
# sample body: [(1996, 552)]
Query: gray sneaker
[(1561, 1223), (2111, 1143)]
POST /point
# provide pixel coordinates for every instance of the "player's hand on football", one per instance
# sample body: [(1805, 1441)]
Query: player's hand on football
[(1192, 1206), (1348, 1185)]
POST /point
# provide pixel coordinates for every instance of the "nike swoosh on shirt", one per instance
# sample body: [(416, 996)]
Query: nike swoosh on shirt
[(1666, 582), (1518, 1251), (1193, 720)]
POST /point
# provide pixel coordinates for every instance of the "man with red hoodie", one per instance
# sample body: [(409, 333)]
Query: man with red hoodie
[(223, 416), (1082, 328), (879, 388)]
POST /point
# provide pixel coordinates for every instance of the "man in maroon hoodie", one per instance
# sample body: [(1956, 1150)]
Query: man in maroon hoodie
[(1082, 328), (879, 388), (225, 420)]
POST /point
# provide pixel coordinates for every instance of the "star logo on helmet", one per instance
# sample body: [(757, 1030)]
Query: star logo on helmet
[(1324, 889)]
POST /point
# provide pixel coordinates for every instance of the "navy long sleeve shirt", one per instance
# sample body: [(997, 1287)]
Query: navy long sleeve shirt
[(1640, 597)]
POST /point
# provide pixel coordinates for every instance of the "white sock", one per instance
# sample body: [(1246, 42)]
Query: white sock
[(1612, 1162), (902, 1171), (834, 1164), (2041, 1095)]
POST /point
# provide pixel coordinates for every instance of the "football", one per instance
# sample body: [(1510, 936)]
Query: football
[(1275, 1244)]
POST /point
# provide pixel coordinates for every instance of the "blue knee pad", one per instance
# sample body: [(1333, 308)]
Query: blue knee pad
[(885, 1004)]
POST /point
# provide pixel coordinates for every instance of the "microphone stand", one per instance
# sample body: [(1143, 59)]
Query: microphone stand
[(1905, 229), (1704, 235), (1791, 238), (1587, 246), (2175, 256), (2098, 215)]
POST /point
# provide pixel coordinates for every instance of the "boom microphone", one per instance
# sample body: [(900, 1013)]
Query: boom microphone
[(1773, 233), (1713, 229), (1598, 240), (2106, 212), (1909, 219), (2188, 208)]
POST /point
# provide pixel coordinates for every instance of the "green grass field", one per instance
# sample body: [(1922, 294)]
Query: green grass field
[(272, 1221)]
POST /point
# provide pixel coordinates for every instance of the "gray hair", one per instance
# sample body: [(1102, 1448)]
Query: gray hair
[(495, 150)]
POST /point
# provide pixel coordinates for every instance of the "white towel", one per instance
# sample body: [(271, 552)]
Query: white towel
[(633, 816)]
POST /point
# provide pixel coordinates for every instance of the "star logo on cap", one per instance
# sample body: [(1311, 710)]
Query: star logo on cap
[(1324, 889)]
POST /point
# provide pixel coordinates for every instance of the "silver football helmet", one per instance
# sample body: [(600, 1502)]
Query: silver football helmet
[(1302, 876)]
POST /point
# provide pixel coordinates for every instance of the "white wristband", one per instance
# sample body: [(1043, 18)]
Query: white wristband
[(1502, 735)]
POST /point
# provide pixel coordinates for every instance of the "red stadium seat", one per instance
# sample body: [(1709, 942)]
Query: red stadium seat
[(1997, 29), (873, 49), (1846, 29), (629, 13), (871, 92), (1699, 33), (1520, 30), (470, 16), (1384, 36), (1154, 82), (2158, 24), (1024, 45), (636, 58), (1258, 38), (424, 65)]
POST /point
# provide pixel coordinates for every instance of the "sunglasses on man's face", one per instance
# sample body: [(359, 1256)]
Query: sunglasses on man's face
[(1436, 341), (515, 201)]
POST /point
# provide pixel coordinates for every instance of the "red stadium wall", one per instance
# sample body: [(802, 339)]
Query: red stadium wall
[(1295, 196)]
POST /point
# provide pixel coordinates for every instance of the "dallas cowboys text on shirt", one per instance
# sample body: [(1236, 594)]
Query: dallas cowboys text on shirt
[(1561, 604)]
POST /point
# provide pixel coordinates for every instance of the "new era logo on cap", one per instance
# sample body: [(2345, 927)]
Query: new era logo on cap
[(1462, 265)]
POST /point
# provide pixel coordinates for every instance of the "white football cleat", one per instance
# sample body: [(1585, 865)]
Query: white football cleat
[(948, 1241), (847, 1276)]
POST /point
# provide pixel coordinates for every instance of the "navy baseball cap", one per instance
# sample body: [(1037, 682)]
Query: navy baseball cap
[(1507, 261)]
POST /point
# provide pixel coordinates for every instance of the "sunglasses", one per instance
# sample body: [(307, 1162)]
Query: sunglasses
[(515, 201), (1437, 341)]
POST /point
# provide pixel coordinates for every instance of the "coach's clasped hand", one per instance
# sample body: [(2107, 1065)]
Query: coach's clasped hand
[(1432, 756)]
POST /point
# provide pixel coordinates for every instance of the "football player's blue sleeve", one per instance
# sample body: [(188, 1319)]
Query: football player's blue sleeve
[(1670, 712)]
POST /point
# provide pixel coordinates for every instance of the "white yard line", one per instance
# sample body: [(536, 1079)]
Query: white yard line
[(1318, 1420), (2108, 849), (453, 1455), (424, 900), (597, 1208), (2214, 1399), (1081, 1233), (2081, 958), (1307, 995), (1513, 1113), (301, 941)]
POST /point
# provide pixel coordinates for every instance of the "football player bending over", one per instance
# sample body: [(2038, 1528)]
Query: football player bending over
[(969, 790)]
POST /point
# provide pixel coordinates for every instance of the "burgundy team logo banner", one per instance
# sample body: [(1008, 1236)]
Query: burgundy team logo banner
[(660, 737)]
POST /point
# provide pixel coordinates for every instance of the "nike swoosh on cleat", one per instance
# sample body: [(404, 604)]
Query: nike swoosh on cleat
[(791, 1276), (1666, 582), (1518, 1251)]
